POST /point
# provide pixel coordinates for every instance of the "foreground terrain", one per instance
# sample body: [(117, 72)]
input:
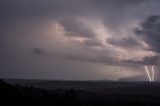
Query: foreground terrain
[(78, 93)]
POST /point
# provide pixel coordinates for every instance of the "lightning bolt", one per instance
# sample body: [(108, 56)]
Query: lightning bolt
[(153, 72), (147, 71), (151, 77)]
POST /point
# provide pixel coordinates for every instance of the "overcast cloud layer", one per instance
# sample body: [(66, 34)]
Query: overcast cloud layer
[(78, 39)]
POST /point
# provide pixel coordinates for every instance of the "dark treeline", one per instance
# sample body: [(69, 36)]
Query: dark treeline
[(16, 95)]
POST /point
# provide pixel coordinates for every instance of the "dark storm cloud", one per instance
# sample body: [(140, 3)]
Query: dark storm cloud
[(74, 28), (125, 42), (148, 60), (117, 13), (150, 30), (40, 9), (96, 59), (101, 59), (93, 42), (38, 51), (151, 60), (46, 11)]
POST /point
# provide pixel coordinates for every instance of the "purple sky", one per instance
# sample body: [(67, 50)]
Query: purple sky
[(78, 39)]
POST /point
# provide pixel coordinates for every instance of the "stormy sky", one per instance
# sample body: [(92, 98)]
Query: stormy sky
[(78, 39)]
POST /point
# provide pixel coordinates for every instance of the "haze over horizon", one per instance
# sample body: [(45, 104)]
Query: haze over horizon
[(79, 39)]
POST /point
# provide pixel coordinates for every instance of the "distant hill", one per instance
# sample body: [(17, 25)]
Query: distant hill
[(65, 84), (135, 78), (90, 85)]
